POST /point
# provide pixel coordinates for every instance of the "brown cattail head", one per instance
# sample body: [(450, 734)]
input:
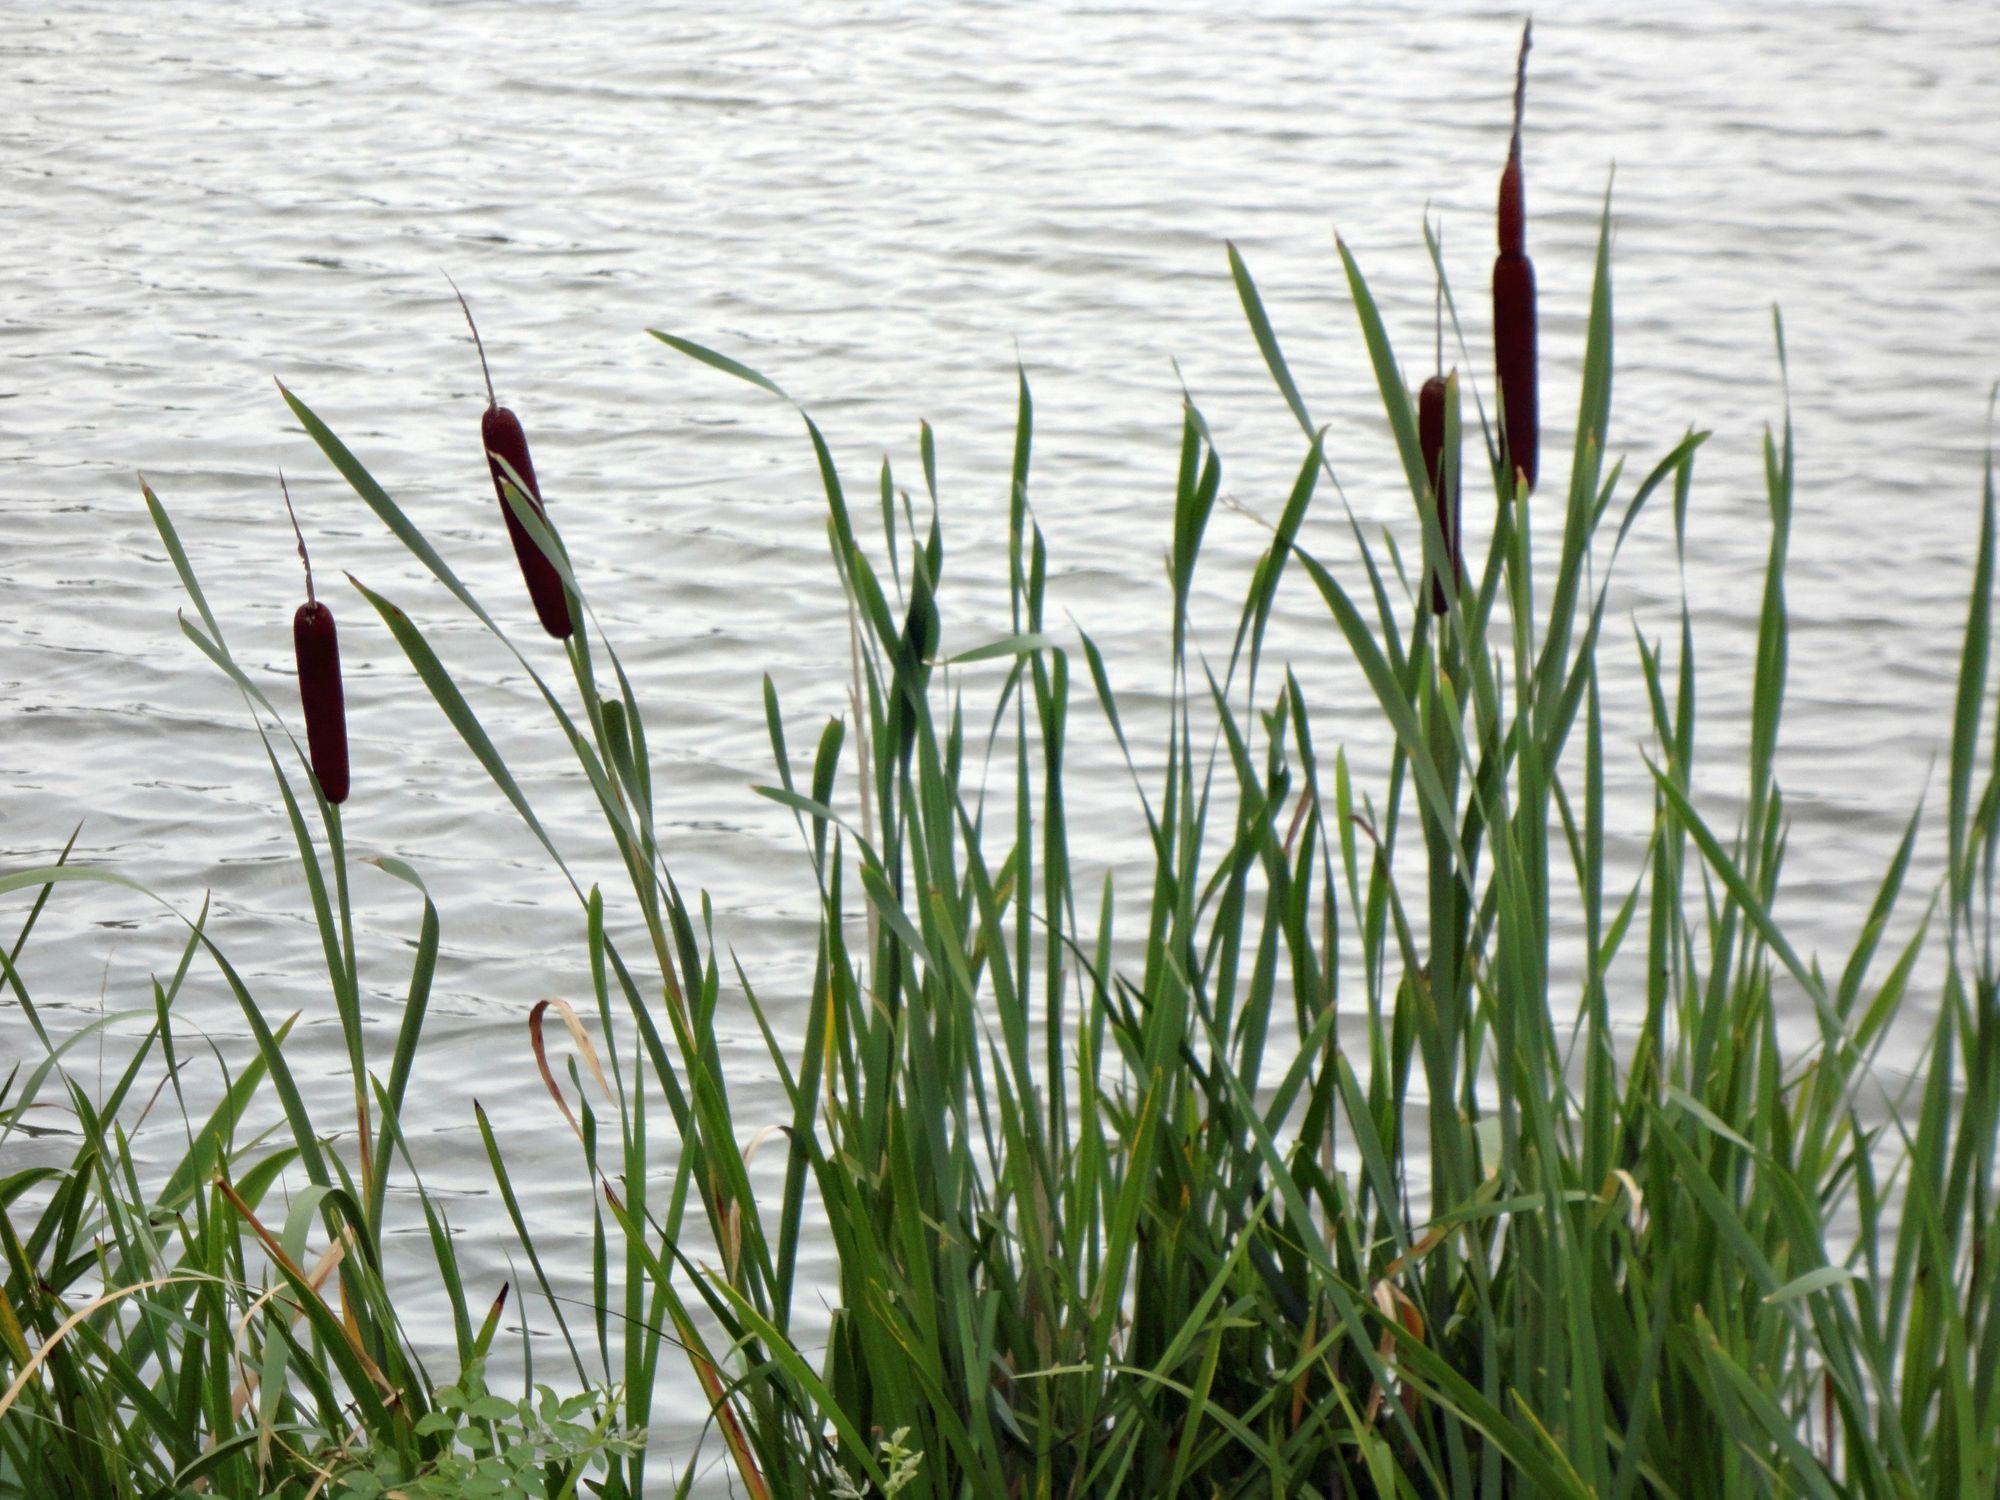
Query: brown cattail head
[(501, 432), (504, 439), (1514, 363), (1444, 477), (318, 652)]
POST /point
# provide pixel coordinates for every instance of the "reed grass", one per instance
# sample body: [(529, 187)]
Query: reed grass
[(1112, 1226)]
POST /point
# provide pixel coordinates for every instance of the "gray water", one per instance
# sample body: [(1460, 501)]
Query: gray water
[(883, 208)]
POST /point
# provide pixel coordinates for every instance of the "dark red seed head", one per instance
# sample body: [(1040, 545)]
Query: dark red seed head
[(500, 431), (1514, 364), (504, 439), (318, 651), (1430, 438), (1514, 305)]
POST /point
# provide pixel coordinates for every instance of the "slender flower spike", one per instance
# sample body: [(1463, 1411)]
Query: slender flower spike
[(1443, 470), (317, 650), (1514, 306), (505, 442)]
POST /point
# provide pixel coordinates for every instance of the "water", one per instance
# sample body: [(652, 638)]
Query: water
[(883, 211)]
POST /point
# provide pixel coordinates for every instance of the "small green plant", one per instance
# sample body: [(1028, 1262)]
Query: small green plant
[(899, 1467), (497, 1449)]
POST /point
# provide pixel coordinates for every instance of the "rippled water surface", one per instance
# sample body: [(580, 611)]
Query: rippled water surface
[(884, 208)]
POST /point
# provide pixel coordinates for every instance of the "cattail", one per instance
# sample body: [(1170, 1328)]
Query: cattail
[(1514, 307), (317, 650), (500, 431), (1443, 471), (1432, 401)]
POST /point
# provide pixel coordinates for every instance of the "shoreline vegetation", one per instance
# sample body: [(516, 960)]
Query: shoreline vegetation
[(1103, 1228)]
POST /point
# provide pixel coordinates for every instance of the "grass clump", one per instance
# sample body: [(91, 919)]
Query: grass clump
[(1334, 1188)]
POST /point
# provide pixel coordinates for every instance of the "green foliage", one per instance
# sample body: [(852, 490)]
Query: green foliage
[(496, 1449)]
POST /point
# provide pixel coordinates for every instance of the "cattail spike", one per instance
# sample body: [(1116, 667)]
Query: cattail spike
[(1513, 204), (1521, 83), (304, 556), (491, 400)]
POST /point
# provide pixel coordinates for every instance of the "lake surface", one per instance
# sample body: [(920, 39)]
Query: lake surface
[(884, 208)]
